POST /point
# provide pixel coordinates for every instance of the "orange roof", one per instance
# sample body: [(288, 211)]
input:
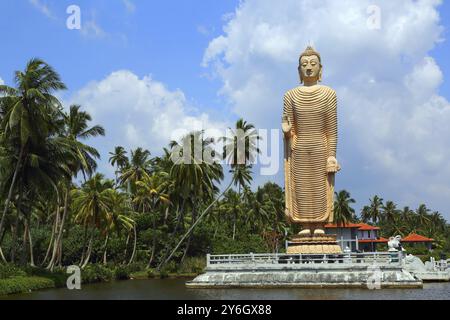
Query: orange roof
[(379, 240), (414, 237), (366, 227), (359, 226)]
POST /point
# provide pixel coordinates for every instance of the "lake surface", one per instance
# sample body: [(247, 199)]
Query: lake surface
[(174, 289)]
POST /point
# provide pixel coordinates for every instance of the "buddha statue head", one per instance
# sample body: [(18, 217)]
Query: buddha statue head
[(310, 67)]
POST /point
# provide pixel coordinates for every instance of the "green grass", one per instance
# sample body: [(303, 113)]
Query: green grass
[(23, 284)]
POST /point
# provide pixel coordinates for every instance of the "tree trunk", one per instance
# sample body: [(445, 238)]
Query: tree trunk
[(11, 189), (153, 245), (83, 253), (105, 252), (15, 230), (89, 249), (126, 248), (30, 241), (2, 256), (134, 245), (194, 217), (52, 236), (57, 245)]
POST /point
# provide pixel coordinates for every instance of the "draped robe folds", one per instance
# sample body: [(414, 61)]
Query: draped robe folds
[(309, 189)]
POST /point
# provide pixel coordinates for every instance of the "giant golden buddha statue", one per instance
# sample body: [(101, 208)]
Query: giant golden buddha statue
[(309, 124)]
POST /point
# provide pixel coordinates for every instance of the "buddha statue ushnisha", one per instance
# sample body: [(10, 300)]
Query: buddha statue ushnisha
[(309, 125)]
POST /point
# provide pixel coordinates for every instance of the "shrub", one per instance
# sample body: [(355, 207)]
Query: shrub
[(24, 284), (96, 273), (151, 274), (193, 265), (122, 273), (9, 270)]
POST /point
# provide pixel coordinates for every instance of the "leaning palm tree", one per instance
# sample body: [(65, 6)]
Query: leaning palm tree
[(196, 180), (26, 114), (343, 212)]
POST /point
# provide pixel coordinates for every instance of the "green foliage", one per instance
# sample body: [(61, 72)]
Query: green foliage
[(246, 243), (122, 273), (23, 284), (192, 265), (96, 273), (9, 270)]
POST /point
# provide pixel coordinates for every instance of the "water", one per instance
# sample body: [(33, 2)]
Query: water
[(174, 289)]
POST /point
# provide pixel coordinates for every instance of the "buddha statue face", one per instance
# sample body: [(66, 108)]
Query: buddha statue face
[(310, 67)]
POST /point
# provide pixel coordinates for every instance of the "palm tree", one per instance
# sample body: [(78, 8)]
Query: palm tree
[(117, 219), (138, 168), (343, 212), (83, 158), (195, 180), (150, 193), (27, 111), (423, 216), (376, 203), (390, 212), (119, 159), (93, 206)]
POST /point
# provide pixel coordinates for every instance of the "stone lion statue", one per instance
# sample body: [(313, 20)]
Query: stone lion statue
[(394, 243)]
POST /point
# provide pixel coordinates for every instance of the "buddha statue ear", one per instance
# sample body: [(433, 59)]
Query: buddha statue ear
[(320, 74), (300, 75)]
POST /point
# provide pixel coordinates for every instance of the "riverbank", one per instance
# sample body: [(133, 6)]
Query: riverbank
[(15, 279)]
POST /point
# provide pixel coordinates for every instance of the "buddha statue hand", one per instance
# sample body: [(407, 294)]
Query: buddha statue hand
[(286, 126), (332, 165)]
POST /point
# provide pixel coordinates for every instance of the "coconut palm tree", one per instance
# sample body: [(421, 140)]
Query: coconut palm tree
[(138, 169), (149, 194), (26, 115), (82, 158), (390, 212), (92, 202), (119, 159), (375, 209), (343, 212)]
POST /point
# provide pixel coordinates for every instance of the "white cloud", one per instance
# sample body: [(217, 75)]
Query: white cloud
[(139, 112), (129, 5), (393, 123), (1, 81), (42, 7)]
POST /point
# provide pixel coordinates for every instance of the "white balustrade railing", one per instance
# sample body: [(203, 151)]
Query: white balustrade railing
[(366, 258)]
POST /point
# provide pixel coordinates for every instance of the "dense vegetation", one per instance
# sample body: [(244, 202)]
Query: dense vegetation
[(155, 212)]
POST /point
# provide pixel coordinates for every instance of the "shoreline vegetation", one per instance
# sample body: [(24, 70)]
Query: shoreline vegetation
[(158, 216)]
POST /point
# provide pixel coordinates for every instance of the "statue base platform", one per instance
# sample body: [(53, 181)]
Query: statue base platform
[(316, 244), (347, 270)]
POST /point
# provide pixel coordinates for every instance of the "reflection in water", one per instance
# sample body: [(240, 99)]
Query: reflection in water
[(174, 289)]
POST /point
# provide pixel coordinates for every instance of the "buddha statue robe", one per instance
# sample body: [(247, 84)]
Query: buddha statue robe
[(311, 144)]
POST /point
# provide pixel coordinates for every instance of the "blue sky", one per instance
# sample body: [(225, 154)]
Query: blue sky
[(210, 62)]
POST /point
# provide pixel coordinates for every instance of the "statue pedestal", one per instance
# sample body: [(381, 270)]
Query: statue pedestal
[(316, 244)]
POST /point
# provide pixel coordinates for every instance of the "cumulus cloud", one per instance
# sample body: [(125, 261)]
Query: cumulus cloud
[(393, 123), (139, 112), (42, 7), (1, 81)]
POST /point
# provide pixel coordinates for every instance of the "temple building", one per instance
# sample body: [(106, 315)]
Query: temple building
[(362, 237)]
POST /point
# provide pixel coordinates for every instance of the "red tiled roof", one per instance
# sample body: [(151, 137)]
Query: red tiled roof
[(380, 240), (359, 226), (366, 227), (414, 237)]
